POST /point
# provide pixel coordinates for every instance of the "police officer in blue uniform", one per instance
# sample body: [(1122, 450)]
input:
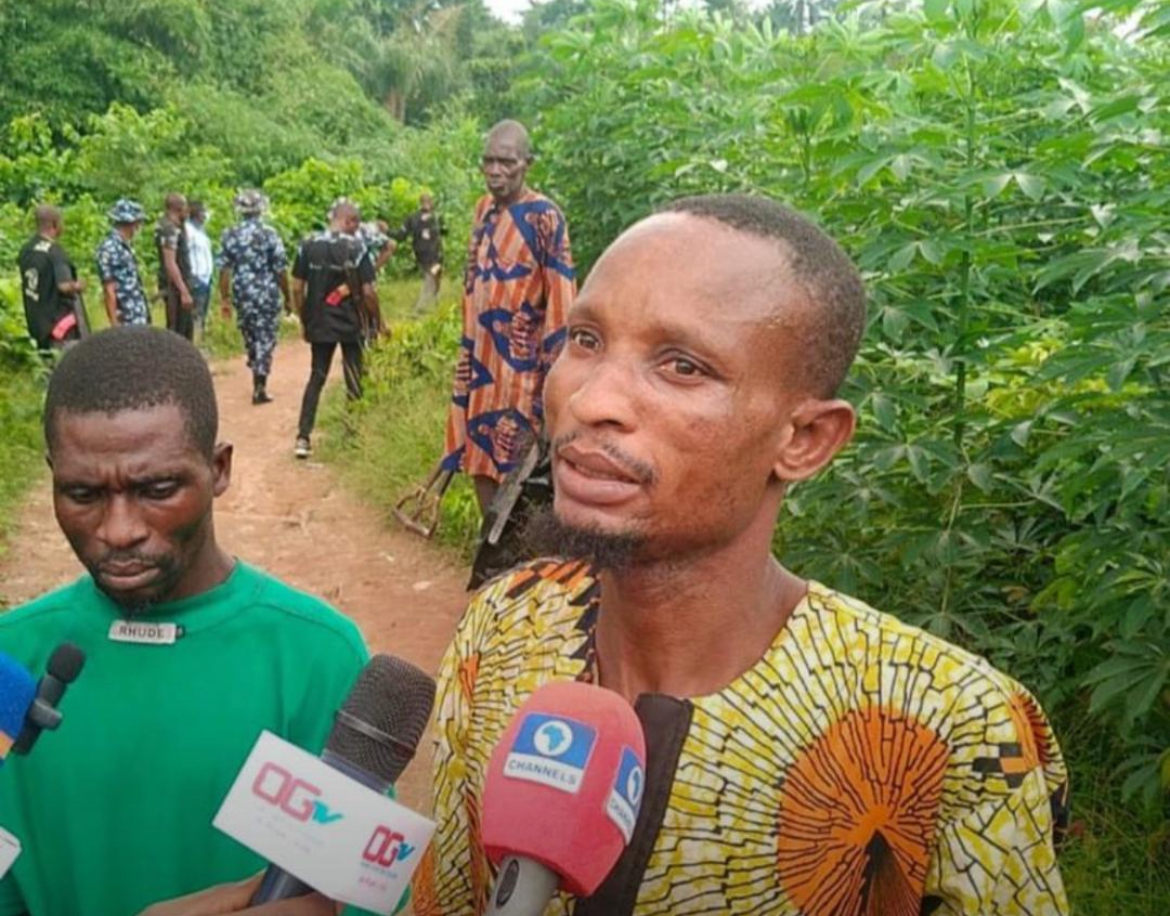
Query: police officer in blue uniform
[(252, 276), (117, 266)]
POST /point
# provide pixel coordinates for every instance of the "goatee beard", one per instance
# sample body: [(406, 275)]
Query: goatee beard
[(545, 535)]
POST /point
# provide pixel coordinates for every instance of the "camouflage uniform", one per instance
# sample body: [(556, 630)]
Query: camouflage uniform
[(116, 262), (254, 253), (374, 238)]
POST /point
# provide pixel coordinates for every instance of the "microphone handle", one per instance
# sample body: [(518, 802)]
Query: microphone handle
[(279, 884), (41, 714), (523, 888)]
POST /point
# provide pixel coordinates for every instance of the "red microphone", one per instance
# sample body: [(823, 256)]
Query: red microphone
[(562, 795)]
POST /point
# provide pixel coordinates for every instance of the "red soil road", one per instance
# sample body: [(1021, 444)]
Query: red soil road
[(294, 519)]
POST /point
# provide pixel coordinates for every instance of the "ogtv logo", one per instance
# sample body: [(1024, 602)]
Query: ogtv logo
[(386, 847), (295, 797)]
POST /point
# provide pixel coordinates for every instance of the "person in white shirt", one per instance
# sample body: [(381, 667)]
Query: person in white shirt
[(202, 263)]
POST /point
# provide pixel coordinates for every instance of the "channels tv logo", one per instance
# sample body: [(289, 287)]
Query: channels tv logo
[(552, 751), (386, 847), (295, 797), (625, 799)]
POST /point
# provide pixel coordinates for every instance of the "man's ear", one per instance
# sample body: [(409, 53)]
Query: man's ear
[(221, 468), (819, 429)]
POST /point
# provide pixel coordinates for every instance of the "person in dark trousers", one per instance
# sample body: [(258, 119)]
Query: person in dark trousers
[(174, 267), (425, 230), (117, 266), (333, 283), (252, 277), (49, 284)]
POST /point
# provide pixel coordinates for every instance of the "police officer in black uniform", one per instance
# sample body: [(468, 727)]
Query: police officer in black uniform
[(335, 297), (48, 281)]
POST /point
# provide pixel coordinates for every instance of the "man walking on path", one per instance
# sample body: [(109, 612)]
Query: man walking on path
[(200, 260), (191, 652), (252, 275), (425, 230), (118, 267), (174, 267), (48, 281), (333, 285), (518, 286)]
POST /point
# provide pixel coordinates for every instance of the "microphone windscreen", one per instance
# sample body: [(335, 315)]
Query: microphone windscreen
[(565, 783), (17, 691), (66, 662), (383, 719)]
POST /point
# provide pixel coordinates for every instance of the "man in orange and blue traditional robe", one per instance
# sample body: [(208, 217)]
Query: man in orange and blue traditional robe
[(518, 286)]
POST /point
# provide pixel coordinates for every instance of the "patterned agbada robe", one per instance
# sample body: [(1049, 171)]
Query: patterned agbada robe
[(861, 767), (518, 286)]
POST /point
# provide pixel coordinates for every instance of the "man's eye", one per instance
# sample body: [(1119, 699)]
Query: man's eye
[(583, 338), (161, 490), (680, 365), (80, 494)]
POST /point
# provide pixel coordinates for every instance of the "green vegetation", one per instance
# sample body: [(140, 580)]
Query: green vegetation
[(998, 168)]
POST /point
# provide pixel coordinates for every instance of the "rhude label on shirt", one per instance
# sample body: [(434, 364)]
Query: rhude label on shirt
[(333, 833), (145, 632), (552, 751)]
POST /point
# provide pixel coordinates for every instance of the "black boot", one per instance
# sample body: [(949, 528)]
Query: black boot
[(259, 389)]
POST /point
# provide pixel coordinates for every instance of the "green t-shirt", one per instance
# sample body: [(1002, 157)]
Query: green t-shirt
[(114, 809)]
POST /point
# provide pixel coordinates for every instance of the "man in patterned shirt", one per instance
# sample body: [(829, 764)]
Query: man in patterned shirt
[(518, 283), (118, 267), (808, 755), (252, 274)]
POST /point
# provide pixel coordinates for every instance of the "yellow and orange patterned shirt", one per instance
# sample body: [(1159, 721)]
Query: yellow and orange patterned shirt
[(861, 768)]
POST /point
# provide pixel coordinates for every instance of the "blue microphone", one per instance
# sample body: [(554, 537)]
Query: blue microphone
[(31, 715), (17, 691)]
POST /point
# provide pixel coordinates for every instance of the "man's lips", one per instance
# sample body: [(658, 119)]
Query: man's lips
[(126, 576), (593, 477)]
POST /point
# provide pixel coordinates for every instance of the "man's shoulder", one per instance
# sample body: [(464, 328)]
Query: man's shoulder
[(988, 717), (884, 629), (41, 611), (36, 245), (297, 608), (553, 586)]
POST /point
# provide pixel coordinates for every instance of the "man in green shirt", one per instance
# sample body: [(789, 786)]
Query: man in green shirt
[(190, 652)]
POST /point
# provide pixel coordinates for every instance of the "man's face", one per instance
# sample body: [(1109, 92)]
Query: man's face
[(425, 203), (133, 495), (668, 405), (197, 216), (504, 166), (350, 221)]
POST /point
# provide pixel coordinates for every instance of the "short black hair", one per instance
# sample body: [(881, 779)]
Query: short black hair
[(829, 278), (133, 368)]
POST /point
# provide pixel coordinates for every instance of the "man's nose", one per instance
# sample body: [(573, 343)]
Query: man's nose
[(122, 524), (606, 395)]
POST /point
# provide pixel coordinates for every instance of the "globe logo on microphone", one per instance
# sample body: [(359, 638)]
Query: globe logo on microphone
[(625, 799), (553, 738), (551, 750), (634, 784)]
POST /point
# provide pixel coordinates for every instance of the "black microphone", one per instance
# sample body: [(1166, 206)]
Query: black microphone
[(375, 735), (64, 665)]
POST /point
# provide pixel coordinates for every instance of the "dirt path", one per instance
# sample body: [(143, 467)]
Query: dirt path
[(295, 520)]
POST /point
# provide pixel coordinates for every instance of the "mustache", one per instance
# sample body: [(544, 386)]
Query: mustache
[(639, 470)]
